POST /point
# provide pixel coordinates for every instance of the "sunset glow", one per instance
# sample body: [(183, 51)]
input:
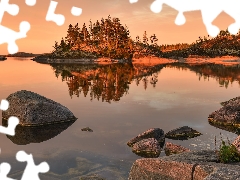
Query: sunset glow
[(138, 17)]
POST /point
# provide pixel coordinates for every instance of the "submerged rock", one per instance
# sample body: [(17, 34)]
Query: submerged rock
[(228, 115), (33, 109), (87, 129), (155, 133), (171, 148), (185, 166), (147, 148), (182, 133)]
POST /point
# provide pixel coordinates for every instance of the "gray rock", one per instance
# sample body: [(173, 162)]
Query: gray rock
[(194, 156), (155, 133), (91, 177), (226, 172), (228, 115), (171, 148), (193, 165), (236, 143), (33, 109), (147, 148), (182, 133)]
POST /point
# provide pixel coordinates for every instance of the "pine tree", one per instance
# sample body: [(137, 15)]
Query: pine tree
[(145, 38)]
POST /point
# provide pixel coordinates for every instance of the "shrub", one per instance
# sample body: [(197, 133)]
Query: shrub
[(228, 153)]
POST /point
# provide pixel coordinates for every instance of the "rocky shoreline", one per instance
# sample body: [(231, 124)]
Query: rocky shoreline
[(195, 165), (224, 60), (181, 163), (79, 61)]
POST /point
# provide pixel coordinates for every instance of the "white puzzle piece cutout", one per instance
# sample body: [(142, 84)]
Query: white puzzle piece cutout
[(12, 124), (30, 2), (7, 35), (76, 11), (210, 10), (4, 170), (4, 105), (59, 19), (133, 1), (12, 121), (31, 171)]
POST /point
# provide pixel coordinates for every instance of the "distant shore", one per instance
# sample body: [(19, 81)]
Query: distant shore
[(2, 58)]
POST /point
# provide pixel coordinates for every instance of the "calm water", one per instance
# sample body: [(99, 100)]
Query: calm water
[(143, 97)]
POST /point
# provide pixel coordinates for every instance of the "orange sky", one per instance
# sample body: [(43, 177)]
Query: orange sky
[(138, 17)]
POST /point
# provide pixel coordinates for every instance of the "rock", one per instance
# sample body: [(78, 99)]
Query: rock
[(33, 109), (171, 148), (92, 177), (87, 129), (147, 148), (155, 133), (193, 165), (228, 115), (2, 58), (236, 143), (182, 133)]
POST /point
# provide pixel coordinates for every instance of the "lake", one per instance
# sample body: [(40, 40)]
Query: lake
[(117, 102)]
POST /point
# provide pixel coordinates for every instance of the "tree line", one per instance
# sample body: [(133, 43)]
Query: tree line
[(109, 38), (105, 38)]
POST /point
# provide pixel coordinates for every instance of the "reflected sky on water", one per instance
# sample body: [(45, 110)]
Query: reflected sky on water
[(118, 102)]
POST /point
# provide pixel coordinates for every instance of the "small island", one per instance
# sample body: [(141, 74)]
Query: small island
[(110, 41), (22, 54)]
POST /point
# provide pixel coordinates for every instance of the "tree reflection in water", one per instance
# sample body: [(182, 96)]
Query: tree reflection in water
[(111, 82), (224, 74), (106, 82)]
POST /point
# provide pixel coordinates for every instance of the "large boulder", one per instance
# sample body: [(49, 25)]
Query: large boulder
[(195, 165), (171, 148), (182, 133), (147, 148), (228, 114), (33, 109), (155, 133)]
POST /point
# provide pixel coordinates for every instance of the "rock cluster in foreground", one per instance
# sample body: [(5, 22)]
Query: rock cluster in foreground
[(148, 143), (33, 109), (195, 165)]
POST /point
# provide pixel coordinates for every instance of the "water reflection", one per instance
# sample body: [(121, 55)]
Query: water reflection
[(26, 135), (111, 82), (106, 82), (223, 74), (229, 128)]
